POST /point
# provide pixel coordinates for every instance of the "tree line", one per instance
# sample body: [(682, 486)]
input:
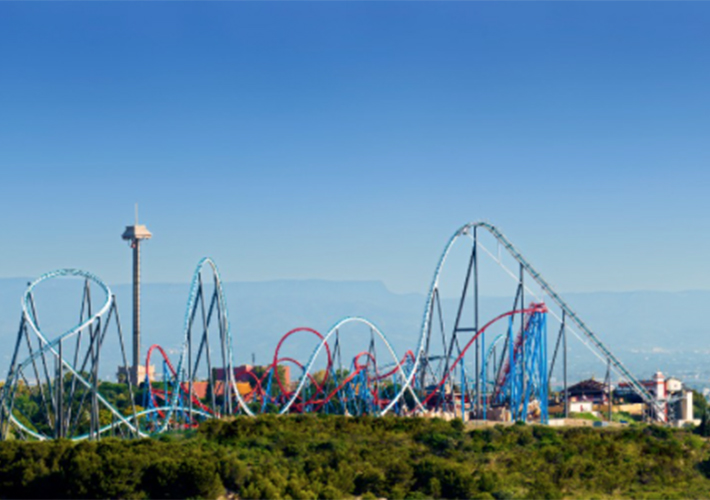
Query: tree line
[(322, 456)]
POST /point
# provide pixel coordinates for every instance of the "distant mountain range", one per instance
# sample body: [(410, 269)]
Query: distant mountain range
[(648, 331)]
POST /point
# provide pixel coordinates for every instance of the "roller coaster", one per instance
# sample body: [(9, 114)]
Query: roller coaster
[(52, 389)]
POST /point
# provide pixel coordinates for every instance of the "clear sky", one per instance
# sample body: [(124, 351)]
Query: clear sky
[(349, 140)]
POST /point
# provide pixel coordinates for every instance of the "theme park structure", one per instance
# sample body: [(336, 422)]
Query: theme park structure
[(52, 389)]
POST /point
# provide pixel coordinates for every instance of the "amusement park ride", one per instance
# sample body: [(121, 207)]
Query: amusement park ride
[(52, 389)]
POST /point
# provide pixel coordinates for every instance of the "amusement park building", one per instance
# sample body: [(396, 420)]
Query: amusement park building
[(590, 390), (248, 373), (657, 387), (678, 399), (200, 388), (245, 377), (136, 373)]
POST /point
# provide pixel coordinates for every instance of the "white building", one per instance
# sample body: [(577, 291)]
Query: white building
[(580, 406)]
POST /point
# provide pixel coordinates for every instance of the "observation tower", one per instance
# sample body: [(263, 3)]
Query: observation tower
[(134, 235)]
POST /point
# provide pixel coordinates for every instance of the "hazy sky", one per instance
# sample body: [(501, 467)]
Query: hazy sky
[(349, 140)]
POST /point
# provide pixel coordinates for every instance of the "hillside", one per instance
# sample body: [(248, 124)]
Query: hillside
[(341, 457)]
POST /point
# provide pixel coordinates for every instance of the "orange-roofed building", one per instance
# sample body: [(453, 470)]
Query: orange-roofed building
[(246, 373), (199, 388)]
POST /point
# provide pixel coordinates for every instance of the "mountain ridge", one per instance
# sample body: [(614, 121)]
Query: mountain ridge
[(647, 330)]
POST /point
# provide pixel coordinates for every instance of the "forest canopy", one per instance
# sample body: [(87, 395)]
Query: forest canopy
[(337, 457)]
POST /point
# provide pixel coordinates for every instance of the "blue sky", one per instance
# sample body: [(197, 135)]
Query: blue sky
[(349, 140)]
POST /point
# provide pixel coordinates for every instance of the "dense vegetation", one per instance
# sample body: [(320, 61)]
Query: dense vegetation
[(32, 406), (335, 457)]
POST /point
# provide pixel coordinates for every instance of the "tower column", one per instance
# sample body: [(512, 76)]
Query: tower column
[(136, 304)]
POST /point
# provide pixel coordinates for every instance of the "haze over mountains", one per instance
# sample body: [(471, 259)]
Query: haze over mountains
[(648, 331)]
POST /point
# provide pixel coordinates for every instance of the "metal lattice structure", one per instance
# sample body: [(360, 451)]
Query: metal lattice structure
[(523, 276), (58, 375), (522, 379), (205, 361), (451, 368)]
